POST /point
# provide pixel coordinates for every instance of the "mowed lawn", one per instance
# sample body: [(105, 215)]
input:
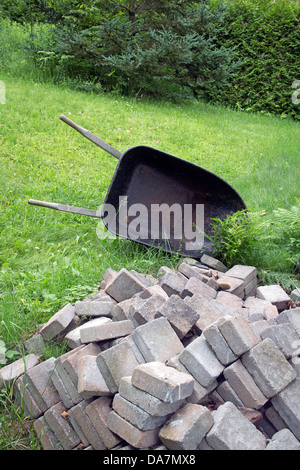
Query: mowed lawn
[(48, 258)]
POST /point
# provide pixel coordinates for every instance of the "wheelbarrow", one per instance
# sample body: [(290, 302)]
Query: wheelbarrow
[(159, 200)]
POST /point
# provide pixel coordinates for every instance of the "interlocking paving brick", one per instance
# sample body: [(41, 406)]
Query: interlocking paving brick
[(238, 333), (88, 331), (101, 331), (156, 289), (246, 273), (62, 391), (40, 385), (117, 362), (61, 427), (208, 313), (71, 388), (94, 308), (269, 368), (284, 336), (199, 392), (233, 431), (124, 286), (236, 286), (132, 435), (283, 440), (181, 316), (213, 263), (35, 344), (231, 300), (12, 371), (82, 420), (24, 398), (58, 323), (274, 418), (290, 316), (186, 428), (90, 380), (157, 340), (195, 286), (295, 295), (191, 271), (172, 283), (196, 350), (162, 381), (98, 411), (146, 309), (287, 403), (274, 294), (244, 386), (227, 393), (136, 415), (218, 343), (201, 362), (122, 311), (46, 436), (152, 405), (70, 360)]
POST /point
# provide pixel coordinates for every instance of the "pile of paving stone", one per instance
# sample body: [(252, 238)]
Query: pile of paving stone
[(196, 359)]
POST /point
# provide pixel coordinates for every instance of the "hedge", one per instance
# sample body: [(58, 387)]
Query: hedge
[(266, 36)]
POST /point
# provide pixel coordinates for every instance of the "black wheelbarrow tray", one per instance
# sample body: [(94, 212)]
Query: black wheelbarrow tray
[(159, 200)]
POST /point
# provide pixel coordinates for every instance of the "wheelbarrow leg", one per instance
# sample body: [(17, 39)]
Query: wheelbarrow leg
[(65, 208)]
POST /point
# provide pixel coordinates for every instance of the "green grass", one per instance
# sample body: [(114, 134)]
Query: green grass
[(16, 432), (48, 258)]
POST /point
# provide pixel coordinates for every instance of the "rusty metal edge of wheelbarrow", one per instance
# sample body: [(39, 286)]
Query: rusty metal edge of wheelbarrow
[(178, 159)]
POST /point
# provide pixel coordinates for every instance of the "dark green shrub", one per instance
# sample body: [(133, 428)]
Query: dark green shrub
[(242, 53), (156, 55)]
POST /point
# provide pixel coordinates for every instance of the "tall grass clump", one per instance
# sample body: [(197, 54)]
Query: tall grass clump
[(269, 241), (234, 238), (17, 432)]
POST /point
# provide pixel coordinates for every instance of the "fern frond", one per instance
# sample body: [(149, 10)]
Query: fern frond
[(285, 280)]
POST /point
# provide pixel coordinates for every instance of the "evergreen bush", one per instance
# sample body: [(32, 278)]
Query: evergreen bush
[(241, 53)]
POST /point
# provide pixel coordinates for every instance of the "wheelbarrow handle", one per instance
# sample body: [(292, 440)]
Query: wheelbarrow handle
[(93, 138), (66, 208)]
